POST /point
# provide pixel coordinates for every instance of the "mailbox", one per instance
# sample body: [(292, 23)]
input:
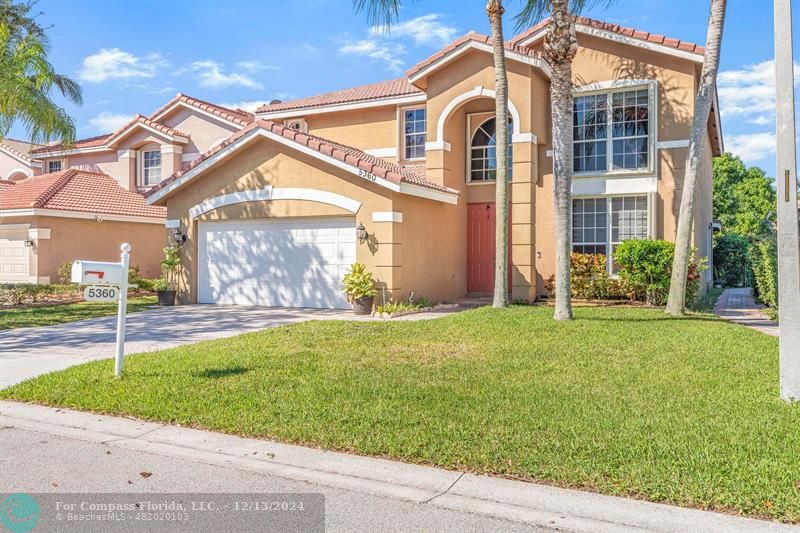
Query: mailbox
[(98, 273)]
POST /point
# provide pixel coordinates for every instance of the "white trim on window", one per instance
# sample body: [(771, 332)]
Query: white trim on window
[(60, 163), (614, 185), (142, 180), (609, 88), (401, 111)]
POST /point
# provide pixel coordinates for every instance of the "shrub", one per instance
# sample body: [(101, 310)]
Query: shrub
[(64, 273), (589, 276), (159, 285), (764, 259), (358, 283), (28, 293), (731, 259), (411, 304), (170, 267), (645, 267)]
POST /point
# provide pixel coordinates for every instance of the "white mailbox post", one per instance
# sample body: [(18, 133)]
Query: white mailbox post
[(107, 282)]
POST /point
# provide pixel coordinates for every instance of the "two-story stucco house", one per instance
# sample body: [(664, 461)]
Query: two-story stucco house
[(399, 175), (59, 204)]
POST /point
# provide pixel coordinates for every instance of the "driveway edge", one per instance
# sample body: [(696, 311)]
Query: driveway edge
[(540, 505)]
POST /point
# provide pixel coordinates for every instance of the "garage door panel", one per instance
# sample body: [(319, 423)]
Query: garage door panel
[(14, 257), (293, 263)]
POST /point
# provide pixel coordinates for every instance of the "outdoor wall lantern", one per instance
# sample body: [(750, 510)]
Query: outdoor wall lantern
[(28, 242), (361, 233), (178, 236)]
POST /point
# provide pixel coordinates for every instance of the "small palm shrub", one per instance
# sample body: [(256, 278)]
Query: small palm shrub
[(358, 283)]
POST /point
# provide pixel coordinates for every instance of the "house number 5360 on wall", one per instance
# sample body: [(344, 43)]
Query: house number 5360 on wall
[(367, 175), (100, 294)]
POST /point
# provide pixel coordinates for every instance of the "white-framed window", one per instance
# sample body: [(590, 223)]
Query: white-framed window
[(54, 166), (613, 130), (151, 168), (600, 224), (414, 136), (483, 152)]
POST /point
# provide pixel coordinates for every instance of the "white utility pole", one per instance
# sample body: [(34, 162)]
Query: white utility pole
[(125, 258), (786, 182)]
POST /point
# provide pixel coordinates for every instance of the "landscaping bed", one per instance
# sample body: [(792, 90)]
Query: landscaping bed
[(624, 401)]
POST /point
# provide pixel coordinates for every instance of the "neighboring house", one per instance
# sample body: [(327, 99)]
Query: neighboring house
[(83, 201), (271, 214), (15, 160)]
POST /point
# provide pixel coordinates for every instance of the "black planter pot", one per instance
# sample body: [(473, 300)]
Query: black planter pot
[(363, 306), (166, 297)]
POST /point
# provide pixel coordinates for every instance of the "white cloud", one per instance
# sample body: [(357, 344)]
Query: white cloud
[(749, 92), (210, 74), (375, 49), (255, 66), (751, 147), (427, 29), (113, 63), (247, 105), (107, 122)]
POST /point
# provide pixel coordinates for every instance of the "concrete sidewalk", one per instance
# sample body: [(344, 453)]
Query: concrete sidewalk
[(541, 506), (739, 306)]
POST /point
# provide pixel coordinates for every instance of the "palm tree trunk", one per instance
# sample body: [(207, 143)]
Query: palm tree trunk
[(676, 302), (560, 47), (495, 11)]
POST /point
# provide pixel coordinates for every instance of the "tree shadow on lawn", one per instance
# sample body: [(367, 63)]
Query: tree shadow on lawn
[(217, 373)]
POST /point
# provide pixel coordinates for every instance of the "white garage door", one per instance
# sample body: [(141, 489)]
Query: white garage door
[(14, 257), (289, 262)]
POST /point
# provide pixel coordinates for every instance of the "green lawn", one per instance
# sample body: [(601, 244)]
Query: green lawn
[(625, 401), (58, 314)]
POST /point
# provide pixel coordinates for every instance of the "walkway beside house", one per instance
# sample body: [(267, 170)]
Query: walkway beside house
[(738, 305)]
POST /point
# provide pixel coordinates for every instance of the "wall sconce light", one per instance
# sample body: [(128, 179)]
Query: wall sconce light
[(178, 237), (28, 242), (361, 233)]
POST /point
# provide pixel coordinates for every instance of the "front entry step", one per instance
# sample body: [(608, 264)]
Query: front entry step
[(472, 301)]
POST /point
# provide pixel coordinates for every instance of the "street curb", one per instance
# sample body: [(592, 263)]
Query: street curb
[(540, 505)]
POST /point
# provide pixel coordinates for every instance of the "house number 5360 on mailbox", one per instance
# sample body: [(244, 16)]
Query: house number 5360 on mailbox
[(107, 282)]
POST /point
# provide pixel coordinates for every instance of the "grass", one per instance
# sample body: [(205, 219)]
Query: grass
[(624, 401), (707, 302), (48, 315)]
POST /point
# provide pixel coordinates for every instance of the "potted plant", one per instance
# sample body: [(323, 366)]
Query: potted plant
[(167, 285), (360, 289)]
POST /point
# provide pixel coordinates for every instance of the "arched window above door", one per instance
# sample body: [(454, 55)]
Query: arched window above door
[(483, 152)]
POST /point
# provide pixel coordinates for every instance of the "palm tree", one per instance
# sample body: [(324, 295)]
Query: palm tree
[(385, 12), (27, 79), (676, 303)]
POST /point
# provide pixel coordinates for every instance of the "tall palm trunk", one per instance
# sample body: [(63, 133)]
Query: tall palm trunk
[(676, 302), (495, 11), (560, 46)]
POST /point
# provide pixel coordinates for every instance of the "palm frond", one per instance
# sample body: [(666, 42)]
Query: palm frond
[(379, 12), (535, 11)]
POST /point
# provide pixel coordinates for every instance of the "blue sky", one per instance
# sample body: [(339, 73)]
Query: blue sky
[(132, 56)]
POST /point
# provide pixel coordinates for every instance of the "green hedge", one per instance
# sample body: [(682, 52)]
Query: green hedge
[(28, 293), (764, 260)]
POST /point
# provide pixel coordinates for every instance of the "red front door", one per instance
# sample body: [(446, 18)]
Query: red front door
[(480, 247)]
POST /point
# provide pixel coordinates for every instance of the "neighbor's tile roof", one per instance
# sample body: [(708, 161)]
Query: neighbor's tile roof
[(346, 154), (21, 149), (621, 30), (237, 116), (5, 184), (471, 36), (77, 190), (372, 91)]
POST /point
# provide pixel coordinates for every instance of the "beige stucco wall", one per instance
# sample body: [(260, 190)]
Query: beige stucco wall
[(14, 169), (72, 239), (205, 132)]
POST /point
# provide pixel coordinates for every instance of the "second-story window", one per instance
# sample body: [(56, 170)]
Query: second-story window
[(151, 168), (611, 132), (414, 133), (54, 166), (483, 152)]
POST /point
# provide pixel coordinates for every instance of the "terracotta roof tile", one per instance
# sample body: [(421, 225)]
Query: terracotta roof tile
[(351, 156), (622, 30), (89, 142), (77, 190), (5, 184), (471, 36), (140, 119), (372, 91), (237, 116), (21, 149)]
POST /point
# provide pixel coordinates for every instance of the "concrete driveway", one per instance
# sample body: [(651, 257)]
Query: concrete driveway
[(29, 352)]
